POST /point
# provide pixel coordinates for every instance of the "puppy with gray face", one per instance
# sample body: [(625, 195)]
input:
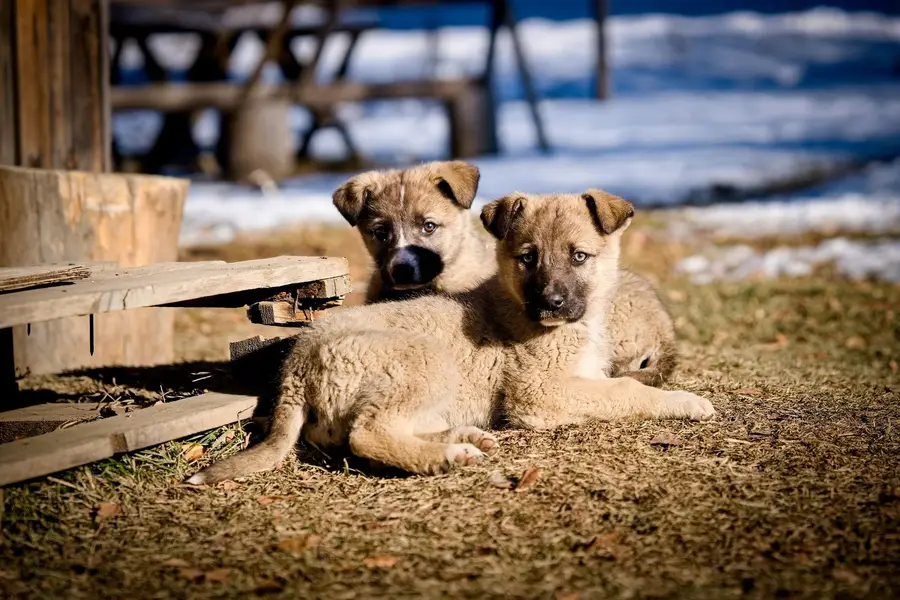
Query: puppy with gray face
[(418, 229), (412, 383)]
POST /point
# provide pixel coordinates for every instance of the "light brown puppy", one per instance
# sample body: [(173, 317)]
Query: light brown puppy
[(418, 230), (411, 383)]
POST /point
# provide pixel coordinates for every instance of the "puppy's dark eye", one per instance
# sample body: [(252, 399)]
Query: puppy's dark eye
[(645, 363), (528, 258), (428, 227), (579, 257), (380, 233)]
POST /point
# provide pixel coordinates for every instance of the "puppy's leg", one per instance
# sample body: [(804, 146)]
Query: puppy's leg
[(392, 444), (467, 434), (576, 400), (284, 430)]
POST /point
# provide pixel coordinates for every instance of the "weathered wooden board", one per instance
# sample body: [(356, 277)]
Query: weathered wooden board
[(242, 348), (20, 278), (121, 290), (44, 418), (89, 442)]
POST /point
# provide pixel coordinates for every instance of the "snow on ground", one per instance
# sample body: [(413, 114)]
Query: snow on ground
[(854, 259), (741, 102)]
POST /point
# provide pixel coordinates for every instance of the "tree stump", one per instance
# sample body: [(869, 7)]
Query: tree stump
[(259, 137), (49, 216)]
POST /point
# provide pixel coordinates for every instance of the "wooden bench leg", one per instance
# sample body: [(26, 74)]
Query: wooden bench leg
[(527, 81)]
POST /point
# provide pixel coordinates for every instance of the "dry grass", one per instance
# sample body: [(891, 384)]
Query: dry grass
[(794, 491)]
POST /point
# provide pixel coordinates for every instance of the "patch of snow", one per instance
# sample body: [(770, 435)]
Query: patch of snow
[(867, 202), (853, 259)]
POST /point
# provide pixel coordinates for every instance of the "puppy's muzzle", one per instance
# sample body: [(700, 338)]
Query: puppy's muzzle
[(412, 267), (555, 304)]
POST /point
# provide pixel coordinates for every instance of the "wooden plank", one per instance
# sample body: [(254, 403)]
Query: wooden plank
[(17, 278), (44, 418), (173, 97), (601, 85), (305, 305), (8, 91), (32, 57), (87, 53), (333, 287), (89, 442), (120, 290)]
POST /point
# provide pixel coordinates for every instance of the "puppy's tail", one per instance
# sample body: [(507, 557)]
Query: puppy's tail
[(287, 422)]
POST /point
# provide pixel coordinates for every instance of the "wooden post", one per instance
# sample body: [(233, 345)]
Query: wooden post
[(59, 216), (601, 86)]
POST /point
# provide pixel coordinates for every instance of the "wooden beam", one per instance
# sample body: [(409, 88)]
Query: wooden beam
[(44, 418), (242, 348), (89, 442), (227, 96)]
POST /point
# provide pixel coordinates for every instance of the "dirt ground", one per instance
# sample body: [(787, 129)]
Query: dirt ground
[(792, 492)]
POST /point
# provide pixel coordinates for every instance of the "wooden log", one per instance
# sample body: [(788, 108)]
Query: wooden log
[(89, 442), (20, 278), (60, 216)]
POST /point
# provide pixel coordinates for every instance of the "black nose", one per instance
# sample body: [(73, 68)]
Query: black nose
[(556, 300), (404, 268)]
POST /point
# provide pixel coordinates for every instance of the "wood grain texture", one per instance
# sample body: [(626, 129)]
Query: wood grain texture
[(88, 442), (19, 278), (60, 216), (111, 291), (8, 93)]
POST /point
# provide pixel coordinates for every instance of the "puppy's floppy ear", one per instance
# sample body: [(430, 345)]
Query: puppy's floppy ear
[(499, 216), (351, 198), (458, 181), (610, 213)]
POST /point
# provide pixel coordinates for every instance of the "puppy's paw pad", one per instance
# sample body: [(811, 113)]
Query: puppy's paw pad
[(481, 439), (681, 404), (463, 454)]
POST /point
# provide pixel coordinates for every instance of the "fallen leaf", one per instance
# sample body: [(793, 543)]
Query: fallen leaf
[(855, 343), (192, 451), (572, 596), (665, 439), (191, 574), (737, 441), (176, 563), (845, 575), (781, 339), (894, 366), (107, 510), (748, 392), (217, 575), (380, 562), (299, 543), (602, 541), (528, 478), (228, 485), (499, 480)]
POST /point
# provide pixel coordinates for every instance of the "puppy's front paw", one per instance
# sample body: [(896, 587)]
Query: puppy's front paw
[(462, 454), (479, 438), (685, 405)]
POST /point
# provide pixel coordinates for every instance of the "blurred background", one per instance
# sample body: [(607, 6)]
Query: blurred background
[(780, 118)]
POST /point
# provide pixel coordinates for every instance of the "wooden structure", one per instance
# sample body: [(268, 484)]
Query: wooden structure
[(468, 101), (294, 289), (55, 217)]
